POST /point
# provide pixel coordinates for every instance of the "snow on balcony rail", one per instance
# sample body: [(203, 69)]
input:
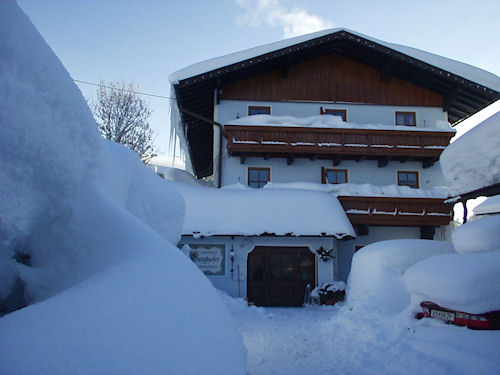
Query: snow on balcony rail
[(329, 121)]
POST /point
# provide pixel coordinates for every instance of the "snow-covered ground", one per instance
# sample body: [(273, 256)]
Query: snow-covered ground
[(320, 340)]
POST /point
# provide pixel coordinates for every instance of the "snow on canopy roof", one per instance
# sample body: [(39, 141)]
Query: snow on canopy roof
[(472, 162), (467, 71), (320, 121), (241, 210), (490, 206)]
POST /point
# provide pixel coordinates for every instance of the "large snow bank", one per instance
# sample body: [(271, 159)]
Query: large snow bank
[(233, 211), (377, 271), (473, 160), (464, 70), (364, 190), (490, 206), (464, 282), (321, 121), (179, 175), (109, 292), (478, 236)]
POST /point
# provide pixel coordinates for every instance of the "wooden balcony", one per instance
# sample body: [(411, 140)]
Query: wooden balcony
[(397, 211), (336, 144)]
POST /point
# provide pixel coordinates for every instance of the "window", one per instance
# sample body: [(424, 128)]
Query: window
[(335, 112), (255, 110), (408, 179), (258, 177), (406, 118), (334, 176)]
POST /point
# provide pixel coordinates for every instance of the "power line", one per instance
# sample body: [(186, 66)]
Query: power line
[(117, 88)]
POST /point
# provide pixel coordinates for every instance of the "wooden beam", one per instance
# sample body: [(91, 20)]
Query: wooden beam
[(313, 157), (289, 159), (449, 98), (360, 158), (361, 229), (464, 204), (243, 157), (428, 162), (382, 162), (336, 160), (427, 232), (267, 156), (286, 66)]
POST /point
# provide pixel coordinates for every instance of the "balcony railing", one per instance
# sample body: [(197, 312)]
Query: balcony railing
[(396, 211), (325, 143)]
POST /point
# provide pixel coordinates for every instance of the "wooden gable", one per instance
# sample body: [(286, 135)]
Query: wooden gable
[(332, 77)]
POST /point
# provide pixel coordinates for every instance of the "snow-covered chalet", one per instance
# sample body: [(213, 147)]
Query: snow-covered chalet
[(316, 146)]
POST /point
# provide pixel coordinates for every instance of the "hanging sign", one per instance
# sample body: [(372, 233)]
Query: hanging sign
[(209, 258)]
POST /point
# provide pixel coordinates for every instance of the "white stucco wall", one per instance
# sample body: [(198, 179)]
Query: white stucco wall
[(358, 113), (325, 271), (306, 170)]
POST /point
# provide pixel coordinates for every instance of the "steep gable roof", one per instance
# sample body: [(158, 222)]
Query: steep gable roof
[(465, 89)]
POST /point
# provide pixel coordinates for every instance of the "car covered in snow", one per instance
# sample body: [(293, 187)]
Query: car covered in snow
[(489, 320)]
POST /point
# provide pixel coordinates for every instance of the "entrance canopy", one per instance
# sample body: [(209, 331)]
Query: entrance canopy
[(241, 210)]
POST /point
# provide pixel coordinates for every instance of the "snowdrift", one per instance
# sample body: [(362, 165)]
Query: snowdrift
[(377, 271), (86, 239), (463, 282), (478, 236)]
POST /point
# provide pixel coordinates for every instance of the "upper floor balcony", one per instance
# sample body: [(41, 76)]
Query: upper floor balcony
[(397, 211), (337, 143)]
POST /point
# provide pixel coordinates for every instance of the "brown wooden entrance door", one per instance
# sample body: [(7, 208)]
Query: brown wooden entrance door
[(277, 276)]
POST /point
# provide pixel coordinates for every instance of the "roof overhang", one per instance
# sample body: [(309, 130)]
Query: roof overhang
[(462, 97)]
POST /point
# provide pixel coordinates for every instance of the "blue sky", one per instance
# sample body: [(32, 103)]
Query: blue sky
[(145, 41)]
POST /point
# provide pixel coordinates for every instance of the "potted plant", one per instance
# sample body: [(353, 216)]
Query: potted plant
[(330, 293)]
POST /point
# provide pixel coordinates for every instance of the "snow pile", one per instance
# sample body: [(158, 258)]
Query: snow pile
[(478, 236), (364, 190), (321, 121), (165, 160), (179, 175), (473, 160), (252, 212), (490, 206), (463, 282), (464, 70), (377, 271), (86, 237)]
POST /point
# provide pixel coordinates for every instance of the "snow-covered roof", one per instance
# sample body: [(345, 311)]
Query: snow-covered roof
[(241, 210), (461, 69), (165, 160), (472, 162), (364, 190), (321, 121), (490, 206)]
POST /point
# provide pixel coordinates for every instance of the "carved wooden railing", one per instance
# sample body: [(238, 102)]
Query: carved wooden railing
[(280, 140), (396, 211)]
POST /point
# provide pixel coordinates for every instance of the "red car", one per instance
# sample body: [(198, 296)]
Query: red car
[(489, 320)]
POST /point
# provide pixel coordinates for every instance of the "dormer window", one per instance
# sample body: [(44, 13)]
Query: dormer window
[(334, 112), (258, 110), (406, 118)]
